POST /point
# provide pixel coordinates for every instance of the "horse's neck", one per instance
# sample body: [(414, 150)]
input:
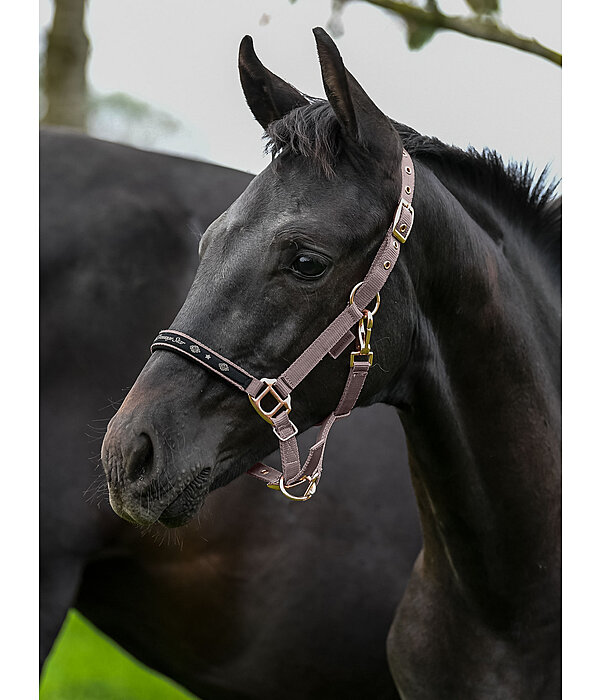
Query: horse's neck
[(483, 423)]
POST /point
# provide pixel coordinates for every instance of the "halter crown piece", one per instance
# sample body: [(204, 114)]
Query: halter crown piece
[(333, 340)]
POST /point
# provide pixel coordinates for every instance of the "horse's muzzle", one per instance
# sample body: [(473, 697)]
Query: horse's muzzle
[(144, 486)]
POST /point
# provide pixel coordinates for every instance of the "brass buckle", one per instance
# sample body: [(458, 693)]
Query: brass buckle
[(365, 327), (309, 493), (402, 235), (282, 403)]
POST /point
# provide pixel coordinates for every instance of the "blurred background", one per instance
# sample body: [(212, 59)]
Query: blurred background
[(163, 76)]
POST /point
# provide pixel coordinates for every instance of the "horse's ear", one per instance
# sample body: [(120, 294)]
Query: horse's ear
[(354, 109), (268, 96)]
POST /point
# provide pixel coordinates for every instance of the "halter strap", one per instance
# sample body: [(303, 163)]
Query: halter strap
[(198, 352), (333, 340)]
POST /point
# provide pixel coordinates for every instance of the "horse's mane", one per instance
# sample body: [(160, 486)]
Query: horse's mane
[(312, 131)]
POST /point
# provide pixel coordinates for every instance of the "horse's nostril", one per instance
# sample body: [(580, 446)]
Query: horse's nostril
[(139, 460)]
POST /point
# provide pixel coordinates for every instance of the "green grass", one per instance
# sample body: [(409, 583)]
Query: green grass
[(87, 665)]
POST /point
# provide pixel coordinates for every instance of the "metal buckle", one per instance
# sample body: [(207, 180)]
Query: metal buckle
[(285, 403), (365, 327), (360, 356), (289, 437), (309, 493), (402, 236)]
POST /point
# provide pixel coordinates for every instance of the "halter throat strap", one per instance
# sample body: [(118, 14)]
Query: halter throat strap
[(333, 340)]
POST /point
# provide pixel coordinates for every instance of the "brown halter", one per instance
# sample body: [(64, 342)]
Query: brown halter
[(333, 340)]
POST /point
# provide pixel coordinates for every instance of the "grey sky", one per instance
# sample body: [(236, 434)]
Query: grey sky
[(181, 57)]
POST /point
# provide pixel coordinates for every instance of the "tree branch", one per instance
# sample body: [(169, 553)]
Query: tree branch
[(478, 27)]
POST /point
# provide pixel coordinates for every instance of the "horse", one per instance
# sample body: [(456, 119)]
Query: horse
[(466, 347), (207, 604)]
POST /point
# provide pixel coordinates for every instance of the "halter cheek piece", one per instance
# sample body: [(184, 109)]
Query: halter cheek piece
[(333, 340)]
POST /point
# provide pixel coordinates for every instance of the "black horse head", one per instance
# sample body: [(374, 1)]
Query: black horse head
[(274, 270), (466, 347)]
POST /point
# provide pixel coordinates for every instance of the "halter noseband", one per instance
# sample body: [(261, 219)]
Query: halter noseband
[(333, 340)]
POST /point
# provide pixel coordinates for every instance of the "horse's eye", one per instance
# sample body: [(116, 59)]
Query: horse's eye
[(309, 265)]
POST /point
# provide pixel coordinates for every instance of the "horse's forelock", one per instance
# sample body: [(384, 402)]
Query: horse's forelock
[(311, 131)]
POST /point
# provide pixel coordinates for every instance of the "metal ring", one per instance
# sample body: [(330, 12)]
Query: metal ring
[(310, 491), (377, 299)]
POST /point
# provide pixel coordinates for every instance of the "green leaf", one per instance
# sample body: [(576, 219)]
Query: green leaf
[(417, 34), (484, 7)]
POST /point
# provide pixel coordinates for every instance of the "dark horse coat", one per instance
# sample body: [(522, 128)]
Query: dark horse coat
[(258, 598), (466, 345)]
